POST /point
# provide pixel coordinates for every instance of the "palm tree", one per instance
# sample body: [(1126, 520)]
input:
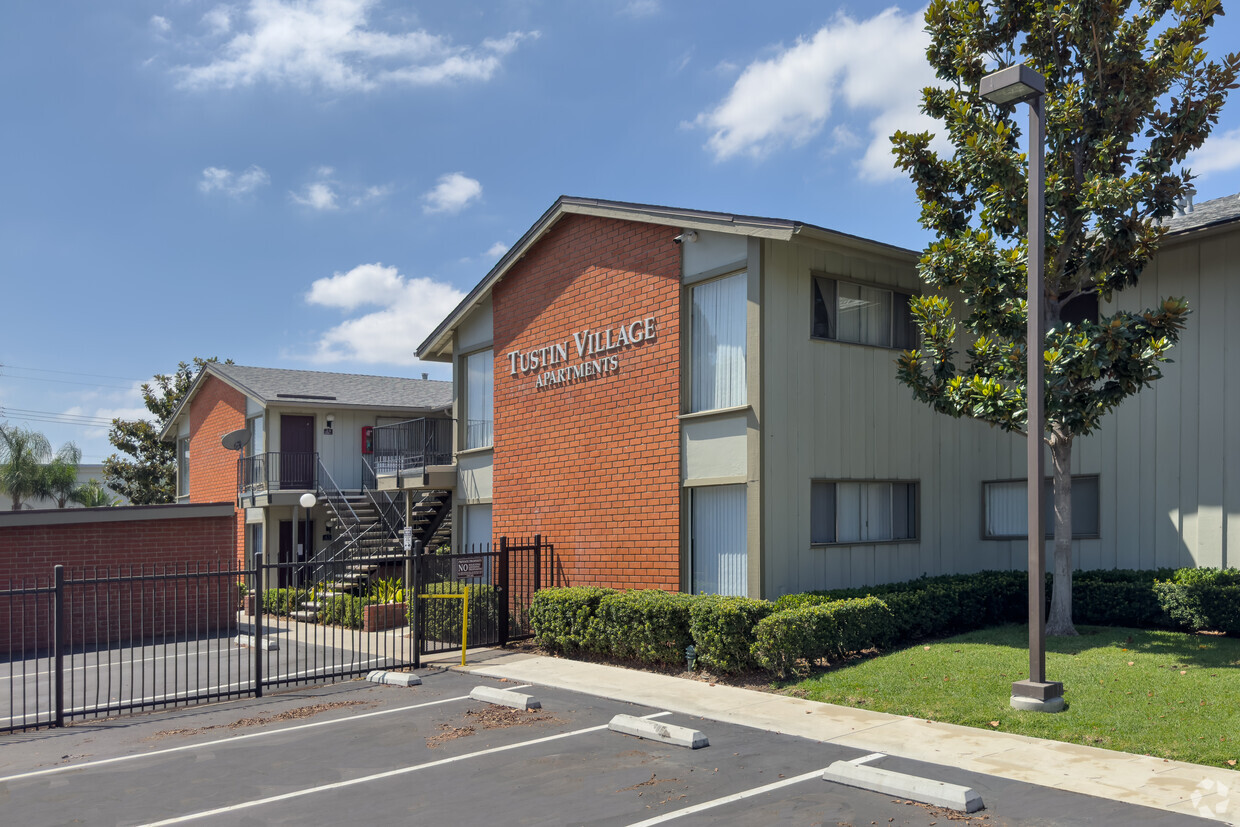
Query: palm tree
[(22, 456), (92, 494), (60, 475)]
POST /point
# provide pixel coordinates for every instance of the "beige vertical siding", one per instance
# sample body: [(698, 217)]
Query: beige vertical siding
[(1168, 460), (1170, 457), (835, 411)]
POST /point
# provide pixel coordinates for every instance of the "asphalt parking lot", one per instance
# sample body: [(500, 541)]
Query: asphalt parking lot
[(361, 752)]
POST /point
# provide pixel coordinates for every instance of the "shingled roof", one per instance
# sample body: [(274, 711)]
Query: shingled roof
[(277, 385), (319, 389), (1206, 214)]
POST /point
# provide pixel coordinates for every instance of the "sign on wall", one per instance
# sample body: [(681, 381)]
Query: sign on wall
[(587, 354)]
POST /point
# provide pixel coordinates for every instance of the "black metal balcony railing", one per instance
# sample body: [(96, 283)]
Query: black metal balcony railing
[(409, 447), (279, 471)]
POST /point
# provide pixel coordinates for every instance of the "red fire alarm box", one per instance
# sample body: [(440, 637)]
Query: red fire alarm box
[(368, 446)]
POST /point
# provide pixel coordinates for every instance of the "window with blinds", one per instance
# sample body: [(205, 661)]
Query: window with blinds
[(862, 512), (863, 315)]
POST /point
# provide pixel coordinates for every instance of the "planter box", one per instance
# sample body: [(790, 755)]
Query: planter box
[(380, 616)]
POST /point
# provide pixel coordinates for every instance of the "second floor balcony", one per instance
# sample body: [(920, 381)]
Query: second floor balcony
[(406, 454)]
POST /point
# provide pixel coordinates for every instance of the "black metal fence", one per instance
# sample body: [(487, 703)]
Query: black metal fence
[(410, 447), (500, 583), (98, 643)]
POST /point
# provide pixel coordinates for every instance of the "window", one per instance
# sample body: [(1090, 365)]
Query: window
[(1007, 514), (258, 437), (1083, 308), (847, 312), (717, 344), (479, 399), (718, 540), (183, 467), (862, 512), (477, 525), (253, 542)]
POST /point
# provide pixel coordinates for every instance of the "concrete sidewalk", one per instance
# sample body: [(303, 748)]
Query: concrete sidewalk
[(1178, 787)]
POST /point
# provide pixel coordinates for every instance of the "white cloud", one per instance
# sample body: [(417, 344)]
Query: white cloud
[(218, 20), (641, 8), (328, 193), (331, 44), (1220, 153), (318, 196), (161, 24), (235, 184), (408, 310), (452, 194), (496, 250), (873, 67)]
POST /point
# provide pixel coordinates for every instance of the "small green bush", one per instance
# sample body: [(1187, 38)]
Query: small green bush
[(283, 602), (562, 619), (814, 631), (1205, 599), (341, 610), (722, 629), (442, 616), (649, 625)]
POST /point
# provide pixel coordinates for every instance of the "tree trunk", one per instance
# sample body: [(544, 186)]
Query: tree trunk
[(1060, 620)]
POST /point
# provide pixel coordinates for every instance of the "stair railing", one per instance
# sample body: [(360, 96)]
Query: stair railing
[(390, 512)]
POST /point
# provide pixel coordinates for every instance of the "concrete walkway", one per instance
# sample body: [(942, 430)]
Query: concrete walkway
[(1175, 786)]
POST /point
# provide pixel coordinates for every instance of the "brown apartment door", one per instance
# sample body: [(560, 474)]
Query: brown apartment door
[(296, 451), (298, 551)]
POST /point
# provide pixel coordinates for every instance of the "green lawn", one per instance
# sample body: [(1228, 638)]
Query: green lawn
[(1165, 694)]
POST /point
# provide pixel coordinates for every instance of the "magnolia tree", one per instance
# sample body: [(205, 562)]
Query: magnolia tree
[(1129, 93)]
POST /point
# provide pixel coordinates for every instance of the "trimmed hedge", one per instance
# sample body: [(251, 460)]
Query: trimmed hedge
[(650, 626), (342, 610), (827, 631), (722, 629), (1205, 599), (562, 619), (735, 634)]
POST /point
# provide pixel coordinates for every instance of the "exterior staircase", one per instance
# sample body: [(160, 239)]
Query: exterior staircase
[(368, 531)]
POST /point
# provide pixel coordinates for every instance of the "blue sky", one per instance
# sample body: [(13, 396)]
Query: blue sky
[(314, 184)]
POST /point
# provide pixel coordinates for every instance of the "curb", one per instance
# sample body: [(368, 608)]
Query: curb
[(858, 773), (394, 678), (501, 697), (678, 736)]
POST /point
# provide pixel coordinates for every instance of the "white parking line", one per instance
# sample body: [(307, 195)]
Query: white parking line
[(728, 799), (218, 741), (245, 805)]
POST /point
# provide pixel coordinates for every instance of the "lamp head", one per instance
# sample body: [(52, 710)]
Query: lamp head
[(1012, 85), (308, 500)]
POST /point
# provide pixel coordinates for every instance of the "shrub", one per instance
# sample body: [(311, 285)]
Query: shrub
[(1119, 597), (341, 610), (441, 617), (562, 618), (1205, 599), (650, 626), (283, 601), (722, 629), (813, 631)]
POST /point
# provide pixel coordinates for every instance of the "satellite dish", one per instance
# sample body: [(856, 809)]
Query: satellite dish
[(235, 440)]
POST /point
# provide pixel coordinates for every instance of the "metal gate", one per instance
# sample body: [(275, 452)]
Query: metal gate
[(500, 584)]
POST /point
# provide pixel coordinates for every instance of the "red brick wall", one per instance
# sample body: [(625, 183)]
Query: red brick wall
[(215, 410), (593, 464), (118, 612)]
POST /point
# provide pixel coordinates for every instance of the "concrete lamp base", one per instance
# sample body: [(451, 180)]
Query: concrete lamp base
[(1037, 705), (1035, 696)]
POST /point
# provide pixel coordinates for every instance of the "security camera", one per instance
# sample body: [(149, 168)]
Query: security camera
[(687, 235)]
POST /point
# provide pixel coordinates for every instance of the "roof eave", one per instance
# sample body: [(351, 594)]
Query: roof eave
[(437, 346)]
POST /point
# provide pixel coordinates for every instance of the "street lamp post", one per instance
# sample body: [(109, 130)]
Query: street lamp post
[(1014, 85), (307, 501)]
